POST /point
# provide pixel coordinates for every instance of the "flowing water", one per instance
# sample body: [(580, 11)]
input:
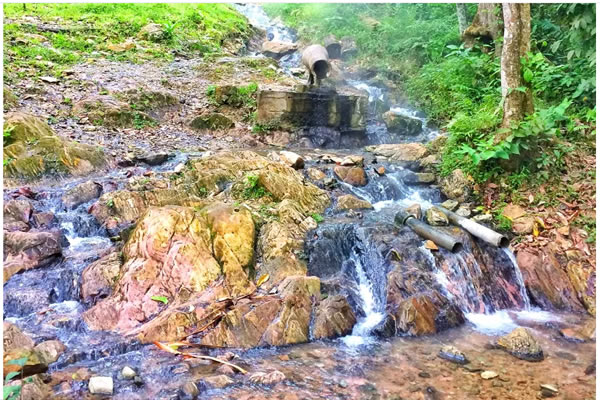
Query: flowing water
[(354, 255)]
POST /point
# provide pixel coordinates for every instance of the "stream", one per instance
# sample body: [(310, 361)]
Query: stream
[(354, 254)]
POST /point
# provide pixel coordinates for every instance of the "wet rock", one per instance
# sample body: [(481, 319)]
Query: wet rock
[(82, 193), (28, 250), (16, 215), (435, 217), (14, 338), (128, 372), (546, 281), (408, 154), (415, 210), (452, 354), (99, 278), (188, 391), (343, 383), (489, 375), (34, 150), (402, 124), (277, 49), (214, 121), (152, 158), (424, 374), (380, 171), (49, 351), (352, 161), (457, 186), (101, 385), (521, 344), (218, 381), (333, 318), (33, 364), (437, 144), (582, 276), (225, 370), (33, 388), (450, 204), (425, 177), (292, 159), (354, 176), (351, 202), (105, 110), (151, 32), (591, 369), (349, 48), (315, 174), (270, 378)]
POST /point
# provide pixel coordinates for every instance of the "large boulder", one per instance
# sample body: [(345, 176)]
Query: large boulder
[(402, 124), (521, 344), (355, 176), (333, 317), (408, 154), (27, 250), (457, 186), (33, 150), (177, 252), (82, 193), (99, 278), (277, 49)]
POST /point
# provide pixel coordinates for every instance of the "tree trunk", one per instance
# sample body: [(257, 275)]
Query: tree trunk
[(517, 32), (486, 27), (461, 12)]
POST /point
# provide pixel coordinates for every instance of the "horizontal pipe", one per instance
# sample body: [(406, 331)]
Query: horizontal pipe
[(475, 229), (426, 231)]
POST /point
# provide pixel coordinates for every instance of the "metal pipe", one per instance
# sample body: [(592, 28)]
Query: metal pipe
[(422, 229), (475, 229), (316, 61)]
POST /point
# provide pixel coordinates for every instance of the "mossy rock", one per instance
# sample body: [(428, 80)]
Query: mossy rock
[(108, 111), (148, 99), (212, 122), (33, 150), (10, 100)]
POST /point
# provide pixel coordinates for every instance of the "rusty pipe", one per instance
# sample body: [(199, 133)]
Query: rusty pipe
[(475, 229), (426, 231), (316, 61)]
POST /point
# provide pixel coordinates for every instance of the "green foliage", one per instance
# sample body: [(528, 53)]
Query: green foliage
[(253, 189), (589, 225), (7, 134), (161, 299), (193, 28), (266, 127), (14, 391), (317, 217)]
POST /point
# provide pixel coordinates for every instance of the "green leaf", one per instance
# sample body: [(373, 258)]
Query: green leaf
[(9, 391), (162, 299), (527, 75), (11, 375), (502, 154), (19, 361), (514, 148), (486, 155)]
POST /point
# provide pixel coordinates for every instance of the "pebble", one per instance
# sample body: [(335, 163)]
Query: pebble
[(189, 391), (128, 373), (424, 374), (343, 383), (100, 385), (548, 390), (489, 374)]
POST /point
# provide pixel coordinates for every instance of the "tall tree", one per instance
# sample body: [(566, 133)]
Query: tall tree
[(486, 27), (516, 93), (461, 12)]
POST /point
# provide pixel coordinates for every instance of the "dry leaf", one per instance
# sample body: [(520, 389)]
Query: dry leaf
[(262, 280)]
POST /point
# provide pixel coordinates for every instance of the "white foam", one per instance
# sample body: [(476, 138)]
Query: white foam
[(537, 315), (498, 323)]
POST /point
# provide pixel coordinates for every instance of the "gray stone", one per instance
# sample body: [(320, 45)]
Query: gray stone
[(435, 217), (402, 124), (128, 372), (343, 383), (450, 204), (483, 218), (82, 193), (464, 211)]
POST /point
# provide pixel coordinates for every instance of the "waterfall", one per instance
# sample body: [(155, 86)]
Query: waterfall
[(519, 277)]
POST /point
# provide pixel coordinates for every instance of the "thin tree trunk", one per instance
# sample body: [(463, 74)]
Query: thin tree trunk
[(517, 32), (461, 12), (486, 27)]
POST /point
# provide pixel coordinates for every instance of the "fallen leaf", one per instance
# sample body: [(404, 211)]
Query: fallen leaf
[(162, 299), (262, 280), (430, 245)]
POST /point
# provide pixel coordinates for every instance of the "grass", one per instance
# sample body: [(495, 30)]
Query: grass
[(196, 29)]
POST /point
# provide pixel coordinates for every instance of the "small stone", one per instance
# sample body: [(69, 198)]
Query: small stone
[(483, 218), (436, 217), (424, 374), (452, 354), (521, 344), (225, 370), (353, 160), (496, 383), (464, 211), (178, 168), (48, 79), (270, 378), (489, 374), (380, 171), (100, 385), (315, 174), (284, 357), (343, 383), (548, 390), (425, 177), (291, 159), (138, 381), (472, 368), (450, 204), (430, 245), (218, 381), (188, 391), (128, 373)]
